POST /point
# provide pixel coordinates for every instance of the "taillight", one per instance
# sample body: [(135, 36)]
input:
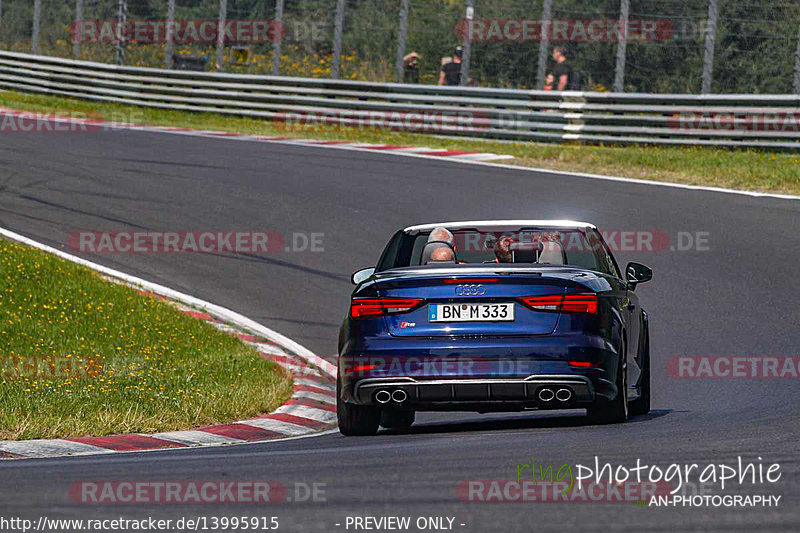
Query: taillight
[(583, 364), (359, 368), (566, 303), (367, 307)]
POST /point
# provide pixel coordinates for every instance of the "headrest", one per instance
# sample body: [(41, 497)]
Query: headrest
[(552, 253), (526, 252)]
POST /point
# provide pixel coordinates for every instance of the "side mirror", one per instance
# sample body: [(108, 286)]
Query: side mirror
[(636, 273), (361, 275)]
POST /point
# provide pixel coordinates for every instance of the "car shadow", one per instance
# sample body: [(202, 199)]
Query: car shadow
[(539, 420)]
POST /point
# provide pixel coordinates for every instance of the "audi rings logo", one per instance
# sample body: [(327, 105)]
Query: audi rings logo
[(470, 290)]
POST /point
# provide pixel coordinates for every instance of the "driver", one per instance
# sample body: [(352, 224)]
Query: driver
[(442, 234), (443, 254)]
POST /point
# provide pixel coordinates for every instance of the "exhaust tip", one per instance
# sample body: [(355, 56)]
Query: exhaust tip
[(383, 396), (399, 396), (564, 395), (546, 395)]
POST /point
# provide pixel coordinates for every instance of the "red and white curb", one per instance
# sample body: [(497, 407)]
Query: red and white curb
[(311, 408), (91, 124)]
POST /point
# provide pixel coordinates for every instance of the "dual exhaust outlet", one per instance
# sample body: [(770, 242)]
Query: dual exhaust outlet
[(547, 395), (385, 396)]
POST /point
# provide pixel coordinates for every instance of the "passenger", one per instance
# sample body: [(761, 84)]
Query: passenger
[(502, 250), (441, 234)]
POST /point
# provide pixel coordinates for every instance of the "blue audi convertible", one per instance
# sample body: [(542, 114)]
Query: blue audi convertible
[(493, 316)]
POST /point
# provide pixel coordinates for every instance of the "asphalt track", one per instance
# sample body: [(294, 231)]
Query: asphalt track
[(737, 298)]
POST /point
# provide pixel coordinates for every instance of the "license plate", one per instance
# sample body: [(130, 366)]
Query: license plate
[(471, 312)]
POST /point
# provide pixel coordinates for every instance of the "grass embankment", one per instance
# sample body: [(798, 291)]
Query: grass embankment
[(745, 169), (83, 356)]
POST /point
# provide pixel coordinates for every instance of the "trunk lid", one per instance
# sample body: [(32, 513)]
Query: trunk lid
[(463, 291)]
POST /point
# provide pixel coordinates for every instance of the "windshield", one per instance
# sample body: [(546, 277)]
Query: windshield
[(579, 248)]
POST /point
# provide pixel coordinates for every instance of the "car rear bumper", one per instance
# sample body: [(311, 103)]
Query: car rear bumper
[(543, 392), (480, 374)]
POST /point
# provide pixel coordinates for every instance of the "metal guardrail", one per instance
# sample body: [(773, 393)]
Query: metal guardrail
[(762, 121)]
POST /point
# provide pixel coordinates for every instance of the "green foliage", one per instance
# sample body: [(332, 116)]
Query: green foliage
[(755, 46), (80, 355)]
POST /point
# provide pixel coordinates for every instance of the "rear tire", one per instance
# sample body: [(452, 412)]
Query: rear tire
[(603, 411), (641, 405), (395, 419), (355, 420)]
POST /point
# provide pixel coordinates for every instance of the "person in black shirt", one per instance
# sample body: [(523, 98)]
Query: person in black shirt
[(451, 72), (562, 70)]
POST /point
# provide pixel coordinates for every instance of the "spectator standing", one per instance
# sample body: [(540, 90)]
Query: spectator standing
[(562, 71), (451, 71), (411, 67)]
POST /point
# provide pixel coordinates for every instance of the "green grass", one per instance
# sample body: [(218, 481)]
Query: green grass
[(745, 169), (80, 355)]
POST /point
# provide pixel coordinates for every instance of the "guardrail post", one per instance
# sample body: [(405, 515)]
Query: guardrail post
[(797, 66), (37, 13), (170, 36), (622, 46), (276, 46), (77, 35), (470, 14), (122, 17), (337, 39), (223, 16), (544, 43), (401, 39), (711, 36)]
